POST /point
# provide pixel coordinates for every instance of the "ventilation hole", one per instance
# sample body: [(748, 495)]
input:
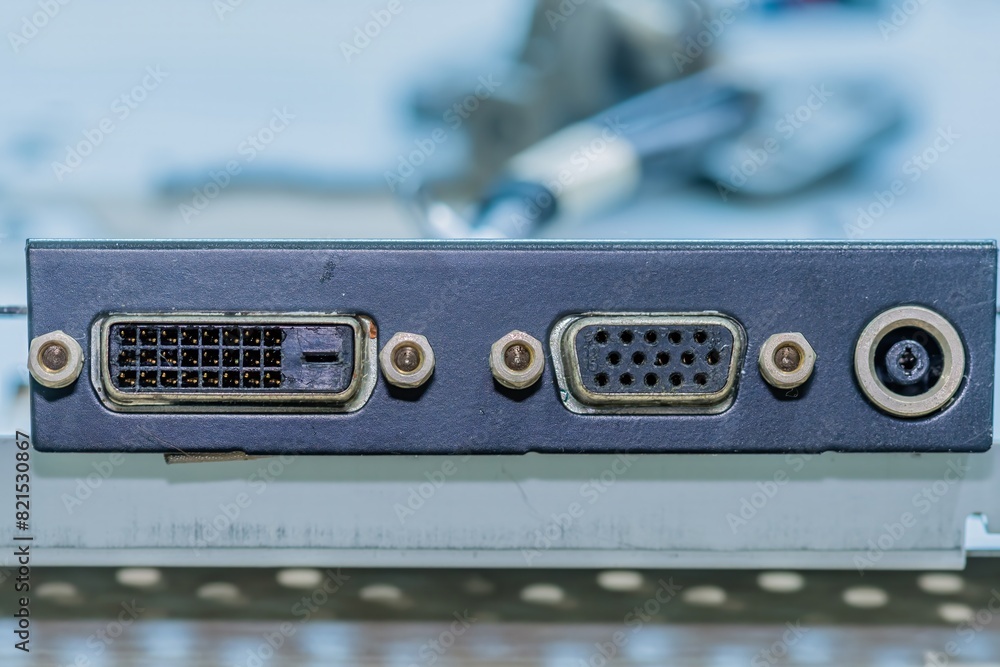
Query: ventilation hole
[(700, 379), (614, 358), (189, 378), (620, 581), (704, 596), (651, 379), (676, 379), (626, 336), (638, 358), (700, 336), (209, 357), (865, 597), (601, 337), (147, 378), (687, 358), (382, 593), (210, 379), (210, 336), (626, 379), (651, 337), (220, 591), (601, 379), (230, 336), (272, 379), (712, 357), (168, 378), (189, 336), (301, 578), (128, 335), (168, 336), (675, 337), (251, 336), (781, 582), (543, 594), (944, 583), (662, 359), (139, 577)]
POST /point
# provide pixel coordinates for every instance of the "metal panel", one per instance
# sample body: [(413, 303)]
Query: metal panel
[(464, 296)]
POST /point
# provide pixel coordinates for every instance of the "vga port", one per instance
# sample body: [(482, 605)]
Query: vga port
[(686, 363), (218, 362)]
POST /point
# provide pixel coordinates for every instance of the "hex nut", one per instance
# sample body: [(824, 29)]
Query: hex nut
[(55, 345), (775, 375), (402, 377), (510, 377)]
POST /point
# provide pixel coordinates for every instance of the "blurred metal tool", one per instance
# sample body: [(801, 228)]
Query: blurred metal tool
[(593, 164), (577, 59), (805, 131)]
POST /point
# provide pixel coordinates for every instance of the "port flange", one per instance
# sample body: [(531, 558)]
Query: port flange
[(909, 361), (233, 362), (648, 363)]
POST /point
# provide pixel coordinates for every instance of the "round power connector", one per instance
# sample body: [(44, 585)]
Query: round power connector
[(909, 361)]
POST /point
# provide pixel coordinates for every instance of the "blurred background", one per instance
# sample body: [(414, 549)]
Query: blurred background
[(637, 119)]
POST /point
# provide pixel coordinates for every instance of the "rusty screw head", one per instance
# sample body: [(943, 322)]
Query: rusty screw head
[(517, 360), (406, 359), (55, 359), (54, 356), (517, 357), (787, 358)]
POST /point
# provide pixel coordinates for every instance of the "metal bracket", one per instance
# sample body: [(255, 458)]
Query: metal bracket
[(978, 537)]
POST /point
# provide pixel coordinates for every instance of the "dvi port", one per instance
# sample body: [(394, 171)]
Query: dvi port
[(234, 360)]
